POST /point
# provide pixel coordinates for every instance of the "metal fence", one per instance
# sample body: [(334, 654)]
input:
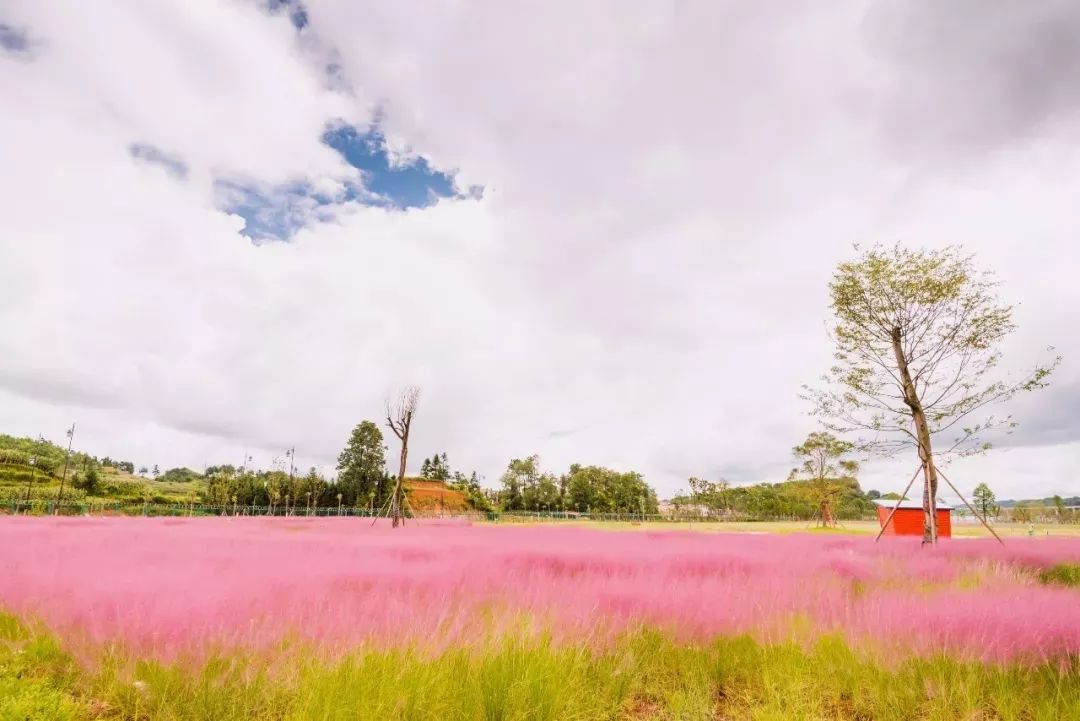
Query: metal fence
[(38, 507), (45, 507)]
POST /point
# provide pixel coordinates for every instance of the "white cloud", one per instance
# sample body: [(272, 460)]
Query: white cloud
[(224, 87), (643, 284)]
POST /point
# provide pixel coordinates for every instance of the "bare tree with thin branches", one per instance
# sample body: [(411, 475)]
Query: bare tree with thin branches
[(399, 417)]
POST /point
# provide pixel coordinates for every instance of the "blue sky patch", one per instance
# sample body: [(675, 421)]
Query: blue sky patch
[(274, 212), (412, 185), (278, 212), (148, 153)]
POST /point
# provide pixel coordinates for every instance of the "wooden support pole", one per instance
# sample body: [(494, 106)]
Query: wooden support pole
[(970, 507), (903, 495), (384, 506)]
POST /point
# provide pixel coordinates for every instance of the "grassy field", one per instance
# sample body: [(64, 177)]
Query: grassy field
[(965, 529), (333, 618), (645, 675)]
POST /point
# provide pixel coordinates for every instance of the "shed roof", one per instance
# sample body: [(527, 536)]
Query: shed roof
[(911, 503)]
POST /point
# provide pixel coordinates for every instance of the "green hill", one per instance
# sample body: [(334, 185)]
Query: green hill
[(88, 477)]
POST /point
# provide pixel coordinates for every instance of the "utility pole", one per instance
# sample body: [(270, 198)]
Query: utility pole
[(30, 480), (291, 453), (63, 478)]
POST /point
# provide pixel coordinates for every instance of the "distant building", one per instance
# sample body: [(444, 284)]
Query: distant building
[(667, 508), (908, 519)]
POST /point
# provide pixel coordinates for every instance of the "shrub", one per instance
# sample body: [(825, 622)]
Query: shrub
[(1062, 574)]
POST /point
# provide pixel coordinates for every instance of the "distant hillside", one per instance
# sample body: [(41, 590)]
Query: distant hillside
[(1049, 502), (35, 467), (427, 495), (103, 479)]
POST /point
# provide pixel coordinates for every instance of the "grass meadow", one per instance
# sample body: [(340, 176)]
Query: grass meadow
[(333, 618), (965, 528)]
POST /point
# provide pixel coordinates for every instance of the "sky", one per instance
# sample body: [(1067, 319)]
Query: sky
[(600, 232)]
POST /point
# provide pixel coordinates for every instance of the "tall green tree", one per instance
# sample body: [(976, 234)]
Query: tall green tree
[(1059, 507), (362, 465), (603, 490), (544, 494), (713, 495), (436, 468), (278, 489), (984, 500), (917, 335), (91, 481), (563, 484), (825, 466), (314, 488), (518, 482), (220, 483)]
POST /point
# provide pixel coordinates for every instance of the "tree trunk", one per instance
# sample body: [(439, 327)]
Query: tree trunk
[(922, 434), (397, 501), (826, 514)]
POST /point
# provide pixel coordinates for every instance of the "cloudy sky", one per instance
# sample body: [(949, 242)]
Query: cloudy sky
[(600, 232)]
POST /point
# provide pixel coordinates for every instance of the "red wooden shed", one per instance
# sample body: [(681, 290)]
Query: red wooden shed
[(908, 519)]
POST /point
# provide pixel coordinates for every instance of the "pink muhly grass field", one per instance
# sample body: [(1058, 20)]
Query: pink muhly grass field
[(168, 587)]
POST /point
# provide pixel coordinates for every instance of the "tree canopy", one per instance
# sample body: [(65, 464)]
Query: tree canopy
[(984, 500), (362, 466), (760, 501), (826, 470), (436, 468), (525, 486), (603, 490), (917, 335)]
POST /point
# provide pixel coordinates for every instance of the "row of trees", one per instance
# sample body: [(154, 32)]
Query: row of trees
[(524, 486), (1031, 511), (362, 479), (823, 488), (1053, 509), (228, 485), (762, 501)]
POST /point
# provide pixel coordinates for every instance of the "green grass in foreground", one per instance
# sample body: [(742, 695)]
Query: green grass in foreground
[(1063, 574), (645, 676)]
